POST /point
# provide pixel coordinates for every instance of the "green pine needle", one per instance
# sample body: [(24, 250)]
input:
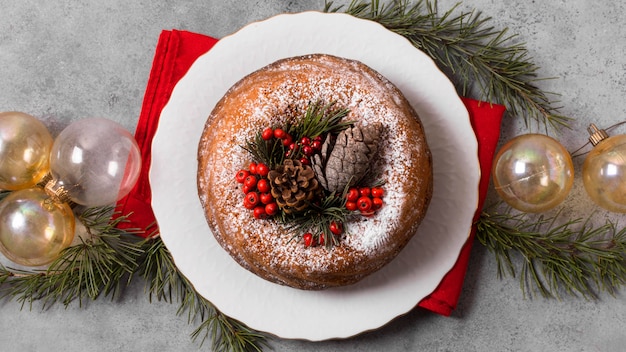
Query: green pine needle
[(166, 282), (572, 258), (476, 57)]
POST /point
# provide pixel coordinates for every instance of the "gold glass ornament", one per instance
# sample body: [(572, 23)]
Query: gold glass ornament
[(34, 227), (24, 150), (533, 173), (604, 170)]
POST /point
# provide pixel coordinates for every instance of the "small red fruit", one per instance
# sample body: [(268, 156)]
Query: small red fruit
[(364, 204), (305, 141), (263, 185), (250, 181), (292, 146), (308, 239), (266, 198), (241, 175), (259, 212), (321, 240), (377, 192), (351, 206), (307, 150), (252, 168), (247, 189), (267, 134), (352, 195), (279, 133), (252, 198), (271, 209), (287, 140), (304, 161), (365, 191), (336, 227), (262, 169), (316, 145), (377, 203)]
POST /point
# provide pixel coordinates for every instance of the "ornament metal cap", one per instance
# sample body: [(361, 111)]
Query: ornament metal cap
[(58, 193), (596, 135)]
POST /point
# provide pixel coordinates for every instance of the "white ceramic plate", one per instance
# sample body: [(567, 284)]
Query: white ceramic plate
[(333, 313)]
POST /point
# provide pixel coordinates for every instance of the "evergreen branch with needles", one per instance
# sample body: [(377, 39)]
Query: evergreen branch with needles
[(474, 55), (572, 257)]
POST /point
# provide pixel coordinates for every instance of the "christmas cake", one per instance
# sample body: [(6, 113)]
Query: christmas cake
[(314, 171)]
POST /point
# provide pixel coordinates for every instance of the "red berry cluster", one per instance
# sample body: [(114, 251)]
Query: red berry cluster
[(256, 188), (304, 148), (336, 228), (366, 200)]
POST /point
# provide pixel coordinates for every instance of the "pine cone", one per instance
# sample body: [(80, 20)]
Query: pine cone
[(293, 185), (345, 160)]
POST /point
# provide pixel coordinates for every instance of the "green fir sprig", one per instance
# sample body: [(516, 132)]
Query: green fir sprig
[(478, 58), (165, 282), (97, 265), (320, 119), (317, 219), (572, 257)]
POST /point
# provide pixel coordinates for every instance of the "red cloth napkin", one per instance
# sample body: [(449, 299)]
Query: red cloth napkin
[(177, 50)]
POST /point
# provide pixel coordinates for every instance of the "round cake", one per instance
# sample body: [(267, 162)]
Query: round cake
[(314, 171)]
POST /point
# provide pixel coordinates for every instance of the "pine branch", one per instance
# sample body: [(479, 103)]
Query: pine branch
[(97, 265), (474, 55), (573, 257), (166, 282)]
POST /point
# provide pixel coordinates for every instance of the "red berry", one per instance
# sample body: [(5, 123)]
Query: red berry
[(271, 209), (365, 191), (352, 195), (336, 227), (351, 206), (308, 239), (259, 212), (250, 181), (316, 145), (377, 192), (279, 133), (307, 150), (305, 141), (304, 161), (321, 240), (377, 203), (287, 140), (241, 175), (266, 198), (263, 185), (267, 134), (292, 146), (252, 168), (262, 169), (252, 198), (317, 138), (247, 189), (364, 204)]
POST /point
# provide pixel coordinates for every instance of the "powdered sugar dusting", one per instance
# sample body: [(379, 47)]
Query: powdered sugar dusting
[(280, 94)]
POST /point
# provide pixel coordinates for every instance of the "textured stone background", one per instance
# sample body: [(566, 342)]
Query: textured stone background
[(66, 60)]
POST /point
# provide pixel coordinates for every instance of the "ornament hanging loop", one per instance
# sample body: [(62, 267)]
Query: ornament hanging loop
[(596, 135)]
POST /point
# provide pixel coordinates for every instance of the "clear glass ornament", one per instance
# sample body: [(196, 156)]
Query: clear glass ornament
[(533, 173), (25, 145), (604, 170), (34, 229), (97, 161)]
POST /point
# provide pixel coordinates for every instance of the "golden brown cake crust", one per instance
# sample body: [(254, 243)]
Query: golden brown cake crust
[(282, 91)]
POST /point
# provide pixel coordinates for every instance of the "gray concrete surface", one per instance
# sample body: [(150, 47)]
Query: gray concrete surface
[(65, 60)]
